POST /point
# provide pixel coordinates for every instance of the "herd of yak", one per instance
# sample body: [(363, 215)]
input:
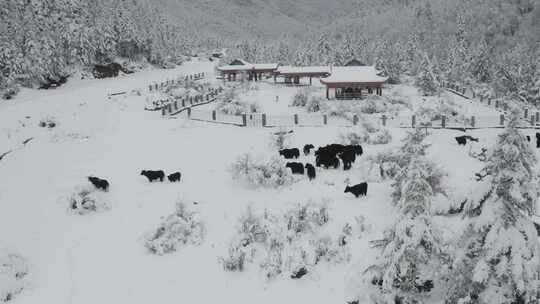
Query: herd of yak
[(327, 157), (103, 184)]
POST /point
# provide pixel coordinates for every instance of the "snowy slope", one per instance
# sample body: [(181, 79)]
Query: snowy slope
[(101, 258)]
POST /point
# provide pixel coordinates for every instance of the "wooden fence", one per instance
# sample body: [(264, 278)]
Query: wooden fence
[(468, 93), (322, 120), (156, 86), (186, 103)]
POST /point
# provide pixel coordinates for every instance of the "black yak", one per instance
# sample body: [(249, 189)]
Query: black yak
[(296, 168), (290, 153), (99, 183), (357, 190), (174, 177), (153, 175)]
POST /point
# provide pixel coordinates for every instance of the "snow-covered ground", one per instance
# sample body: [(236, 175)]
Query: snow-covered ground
[(101, 258)]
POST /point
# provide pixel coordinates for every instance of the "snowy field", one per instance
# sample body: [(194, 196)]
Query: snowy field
[(101, 258)]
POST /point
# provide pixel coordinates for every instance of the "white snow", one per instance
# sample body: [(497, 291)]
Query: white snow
[(101, 258)]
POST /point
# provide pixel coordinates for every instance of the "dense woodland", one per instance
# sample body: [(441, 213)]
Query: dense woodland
[(493, 43), (476, 42), (46, 39)]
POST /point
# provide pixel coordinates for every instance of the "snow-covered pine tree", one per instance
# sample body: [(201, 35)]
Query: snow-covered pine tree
[(498, 256), (413, 147), (426, 79), (407, 269)]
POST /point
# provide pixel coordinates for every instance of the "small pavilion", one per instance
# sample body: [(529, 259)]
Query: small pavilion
[(352, 80), (254, 72), (292, 75)]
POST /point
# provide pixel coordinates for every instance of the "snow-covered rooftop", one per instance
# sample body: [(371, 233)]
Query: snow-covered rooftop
[(304, 70), (354, 74), (249, 66)]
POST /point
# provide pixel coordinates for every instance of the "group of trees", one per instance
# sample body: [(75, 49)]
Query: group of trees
[(495, 42), (497, 257), (44, 39)]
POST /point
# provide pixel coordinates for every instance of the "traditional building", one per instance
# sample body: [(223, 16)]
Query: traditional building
[(254, 72), (292, 75), (349, 82)]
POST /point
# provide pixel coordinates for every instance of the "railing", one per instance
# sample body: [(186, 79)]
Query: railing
[(529, 113), (156, 86), (178, 106)]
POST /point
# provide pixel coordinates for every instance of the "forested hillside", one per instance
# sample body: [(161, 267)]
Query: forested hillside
[(493, 43), (44, 39), (267, 19)]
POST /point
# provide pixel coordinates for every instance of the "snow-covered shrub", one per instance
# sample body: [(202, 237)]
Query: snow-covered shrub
[(366, 133), (236, 258), (48, 122), (9, 91), (386, 162), (181, 228), (253, 228), (273, 262), (284, 244), (280, 139), (305, 218), (382, 137), (237, 107), (362, 226), (353, 138), (300, 99), (328, 250), (270, 172), (87, 200), (13, 270), (314, 104)]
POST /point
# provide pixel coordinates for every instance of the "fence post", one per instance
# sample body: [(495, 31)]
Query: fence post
[(537, 117), (163, 111), (150, 88), (214, 115), (496, 103), (489, 101), (501, 119), (176, 105), (325, 119), (526, 113), (473, 121), (190, 100), (473, 94), (244, 120), (264, 119), (413, 121), (532, 120), (505, 106), (295, 119), (189, 112), (443, 121), (384, 120), (355, 119), (183, 103), (170, 108), (207, 97)]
